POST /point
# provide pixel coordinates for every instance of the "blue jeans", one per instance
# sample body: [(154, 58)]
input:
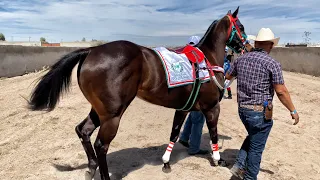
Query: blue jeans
[(193, 131), (250, 154)]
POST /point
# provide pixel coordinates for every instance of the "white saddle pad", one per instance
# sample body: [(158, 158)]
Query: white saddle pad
[(178, 68)]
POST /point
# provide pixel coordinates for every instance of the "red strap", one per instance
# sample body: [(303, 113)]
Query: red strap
[(194, 71), (233, 22), (215, 147), (210, 67)]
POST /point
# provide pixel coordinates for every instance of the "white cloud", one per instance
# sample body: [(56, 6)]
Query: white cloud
[(139, 20)]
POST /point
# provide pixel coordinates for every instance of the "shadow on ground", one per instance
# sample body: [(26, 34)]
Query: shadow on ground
[(125, 161)]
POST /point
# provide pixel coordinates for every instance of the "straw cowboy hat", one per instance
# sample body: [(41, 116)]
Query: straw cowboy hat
[(265, 34)]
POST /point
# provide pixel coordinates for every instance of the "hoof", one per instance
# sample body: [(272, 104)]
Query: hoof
[(166, 168), (222, 163), (215, 163), (90, 174)]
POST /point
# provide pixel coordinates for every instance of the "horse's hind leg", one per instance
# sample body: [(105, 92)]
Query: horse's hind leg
[(110, 108), (179, 117), (84, 130), (107, 132), (212, 117)]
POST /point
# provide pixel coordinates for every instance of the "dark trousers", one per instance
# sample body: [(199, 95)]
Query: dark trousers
[(250, 154)]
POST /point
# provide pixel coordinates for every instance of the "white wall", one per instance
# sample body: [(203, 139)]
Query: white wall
[(16, 43), (76, 44)]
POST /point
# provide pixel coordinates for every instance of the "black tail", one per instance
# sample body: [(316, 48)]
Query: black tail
[(47, 92)]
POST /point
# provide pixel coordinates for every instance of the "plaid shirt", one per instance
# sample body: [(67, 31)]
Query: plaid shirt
[(256, 73)]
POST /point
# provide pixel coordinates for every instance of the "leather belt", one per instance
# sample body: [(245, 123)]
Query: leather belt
[(253, 107)]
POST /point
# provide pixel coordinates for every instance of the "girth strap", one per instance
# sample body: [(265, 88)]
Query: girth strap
[(196, 86)]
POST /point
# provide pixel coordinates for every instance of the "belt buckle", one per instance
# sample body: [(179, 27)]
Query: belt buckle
[(259, 108)]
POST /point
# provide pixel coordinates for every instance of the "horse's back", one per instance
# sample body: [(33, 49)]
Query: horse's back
[(120, 48), (111, 71)]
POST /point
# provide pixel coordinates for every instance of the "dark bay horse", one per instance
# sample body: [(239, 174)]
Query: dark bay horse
[(110, 76)]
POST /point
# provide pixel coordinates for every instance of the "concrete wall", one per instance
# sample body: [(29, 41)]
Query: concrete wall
[(76, 44), (304, 60), (62, 44), (18, 60)]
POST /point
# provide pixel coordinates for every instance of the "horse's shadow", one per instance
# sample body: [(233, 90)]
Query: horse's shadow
[(122, 162)]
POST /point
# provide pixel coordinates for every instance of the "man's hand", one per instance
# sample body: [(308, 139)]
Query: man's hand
[(228, 76), (296, 118), (285, 99)]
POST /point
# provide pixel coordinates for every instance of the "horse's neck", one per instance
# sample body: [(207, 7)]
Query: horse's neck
[(214, 47), (215, 54)]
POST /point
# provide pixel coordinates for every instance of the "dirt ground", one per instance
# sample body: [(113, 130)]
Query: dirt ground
[(38, 145)]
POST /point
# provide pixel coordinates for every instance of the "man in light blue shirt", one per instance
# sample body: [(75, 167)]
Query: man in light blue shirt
[(226, 66)]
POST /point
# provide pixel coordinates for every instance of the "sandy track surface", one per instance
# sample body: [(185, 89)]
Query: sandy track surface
[(38, 145)]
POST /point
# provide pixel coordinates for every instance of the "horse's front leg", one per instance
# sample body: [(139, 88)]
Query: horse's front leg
[(212, 117), (179, 118)]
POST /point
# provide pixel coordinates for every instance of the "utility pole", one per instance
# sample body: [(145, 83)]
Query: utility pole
[(29, 38)]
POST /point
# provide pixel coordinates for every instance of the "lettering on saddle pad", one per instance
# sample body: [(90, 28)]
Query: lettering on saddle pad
[(192, 53), (179, 71)]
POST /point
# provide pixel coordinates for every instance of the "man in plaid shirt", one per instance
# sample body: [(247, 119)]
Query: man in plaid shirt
[(258, 76)]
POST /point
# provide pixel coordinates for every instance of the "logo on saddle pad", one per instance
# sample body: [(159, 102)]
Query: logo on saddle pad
[(177, 67)]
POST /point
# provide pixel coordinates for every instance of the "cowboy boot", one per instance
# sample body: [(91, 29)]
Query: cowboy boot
[(229, 94)]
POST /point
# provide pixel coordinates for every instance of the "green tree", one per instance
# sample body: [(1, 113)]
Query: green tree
[(43, 40), (2, 37), (83, 40)]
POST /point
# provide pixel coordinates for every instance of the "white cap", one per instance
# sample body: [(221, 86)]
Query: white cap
[(194, 39)]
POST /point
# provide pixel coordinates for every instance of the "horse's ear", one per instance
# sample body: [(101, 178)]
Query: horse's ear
[(235, 13), (229, 12)]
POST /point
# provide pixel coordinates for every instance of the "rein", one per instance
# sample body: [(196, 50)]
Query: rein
[(211, 74), (233, 29)]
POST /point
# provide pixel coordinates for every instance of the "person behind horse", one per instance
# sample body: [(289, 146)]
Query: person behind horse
[(258, 76), (226, 66), (192, 131)]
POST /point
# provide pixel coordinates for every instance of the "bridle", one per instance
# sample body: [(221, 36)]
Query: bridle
[(235, 30), (232, 31)]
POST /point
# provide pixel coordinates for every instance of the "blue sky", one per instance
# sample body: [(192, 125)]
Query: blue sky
[(152, 22)]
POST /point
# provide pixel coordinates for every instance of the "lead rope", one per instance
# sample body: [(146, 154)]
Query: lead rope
[(212, 76)]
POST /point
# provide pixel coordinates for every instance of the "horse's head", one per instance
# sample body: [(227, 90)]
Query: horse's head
[(236, 34), (226, 31)]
